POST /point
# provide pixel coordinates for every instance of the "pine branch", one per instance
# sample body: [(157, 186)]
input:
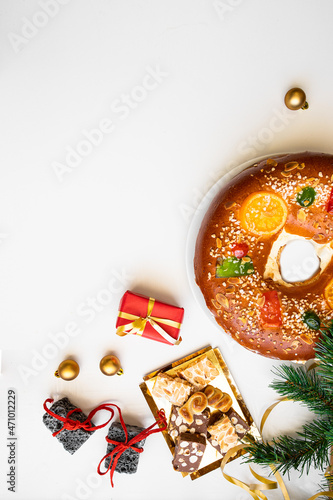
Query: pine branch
[(313, 445), (324, 352), (310, 448), (304, 387), (327, 483)]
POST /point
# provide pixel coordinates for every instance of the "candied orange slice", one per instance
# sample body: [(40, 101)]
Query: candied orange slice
[(329, 294), (263, 213)]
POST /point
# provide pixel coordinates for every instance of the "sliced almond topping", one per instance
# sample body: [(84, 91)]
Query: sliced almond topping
[(230, 289), (216, 304), (221, 299), (229, 205), (290, 166), (261, 301), (218, 243), (306, 339), (319, 237), (301, 166), (234, 281), (301, 215), (271, 162), (286, 174)]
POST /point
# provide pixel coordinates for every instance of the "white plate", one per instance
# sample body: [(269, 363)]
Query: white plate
[(196, 223)]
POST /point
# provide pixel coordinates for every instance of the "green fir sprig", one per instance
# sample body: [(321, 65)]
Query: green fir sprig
[(314, 389)]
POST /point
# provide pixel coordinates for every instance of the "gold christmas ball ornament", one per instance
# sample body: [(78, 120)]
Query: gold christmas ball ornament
[(68, 370), (110, 365), (295, 99)]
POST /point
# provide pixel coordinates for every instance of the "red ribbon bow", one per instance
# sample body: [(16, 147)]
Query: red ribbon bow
[(72, 425), (120, 447)]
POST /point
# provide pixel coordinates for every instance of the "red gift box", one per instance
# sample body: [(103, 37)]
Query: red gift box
[(150, 318)]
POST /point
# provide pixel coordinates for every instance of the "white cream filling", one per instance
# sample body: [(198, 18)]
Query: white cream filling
[(272, 269)]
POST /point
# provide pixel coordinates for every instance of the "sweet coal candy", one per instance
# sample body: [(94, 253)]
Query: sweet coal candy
[(129, 459), (71, 440)]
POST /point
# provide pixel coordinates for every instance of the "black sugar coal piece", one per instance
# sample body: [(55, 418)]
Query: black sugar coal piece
[(129, 459), (71, 440)]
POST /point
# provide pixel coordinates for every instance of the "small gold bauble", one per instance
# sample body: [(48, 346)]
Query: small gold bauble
[(68, 370), (110, 365), (295, 99)]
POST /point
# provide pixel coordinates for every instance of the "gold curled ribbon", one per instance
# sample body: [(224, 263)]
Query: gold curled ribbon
[(268, 411), (255, 490), (137, 326), (321, 494)]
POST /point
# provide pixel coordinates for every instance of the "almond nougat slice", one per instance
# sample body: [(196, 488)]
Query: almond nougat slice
[(175, 390), (200, 373)]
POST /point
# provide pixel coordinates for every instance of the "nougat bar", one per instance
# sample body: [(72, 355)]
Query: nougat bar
[(241, 427), (189, 451), (177, 424), (175, 390), (222, 435), (200, 373), (226, 430)]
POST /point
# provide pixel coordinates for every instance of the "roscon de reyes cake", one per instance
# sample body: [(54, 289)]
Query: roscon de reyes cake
[(244, 233)]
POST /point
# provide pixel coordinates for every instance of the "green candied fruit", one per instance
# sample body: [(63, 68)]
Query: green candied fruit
[(306, 197), (311, 319), (231, 267)]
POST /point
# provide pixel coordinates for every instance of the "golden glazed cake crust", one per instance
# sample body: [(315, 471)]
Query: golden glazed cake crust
[(235, 301)]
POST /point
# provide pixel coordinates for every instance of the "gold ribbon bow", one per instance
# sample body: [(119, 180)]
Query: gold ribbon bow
[(137, 326)]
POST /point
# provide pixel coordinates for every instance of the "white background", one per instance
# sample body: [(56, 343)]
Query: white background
[(126, 208)]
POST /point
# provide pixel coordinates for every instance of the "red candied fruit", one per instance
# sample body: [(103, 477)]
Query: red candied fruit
[(240, 250), (270, 311), (329, 207)]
